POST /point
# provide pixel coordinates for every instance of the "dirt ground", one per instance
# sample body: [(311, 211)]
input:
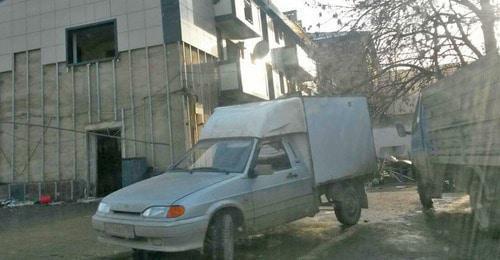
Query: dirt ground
[(394, 227)]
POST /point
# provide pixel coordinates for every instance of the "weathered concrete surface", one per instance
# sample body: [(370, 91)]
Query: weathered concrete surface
[(393, 228)]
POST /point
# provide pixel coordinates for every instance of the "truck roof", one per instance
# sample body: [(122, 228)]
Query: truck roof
[(262, 119)]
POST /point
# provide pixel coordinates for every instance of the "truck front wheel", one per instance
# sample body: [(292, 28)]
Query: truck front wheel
[(219, 243), (348, 208)]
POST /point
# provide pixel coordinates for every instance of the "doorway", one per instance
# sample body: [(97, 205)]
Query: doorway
[(109, 161)]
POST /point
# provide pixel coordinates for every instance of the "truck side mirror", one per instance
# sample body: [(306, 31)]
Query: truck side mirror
[(401, 130)]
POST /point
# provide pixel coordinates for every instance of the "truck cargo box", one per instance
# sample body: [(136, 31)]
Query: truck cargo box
[(338, 130), (340, 136)]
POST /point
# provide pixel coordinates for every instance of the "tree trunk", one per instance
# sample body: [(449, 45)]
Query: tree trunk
[(488, 25)]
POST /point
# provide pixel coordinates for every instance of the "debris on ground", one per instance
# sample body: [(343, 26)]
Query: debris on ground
[(88, 200), (12, 203), (45, 199)]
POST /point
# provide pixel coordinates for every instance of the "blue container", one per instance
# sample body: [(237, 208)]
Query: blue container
[(133, 170)]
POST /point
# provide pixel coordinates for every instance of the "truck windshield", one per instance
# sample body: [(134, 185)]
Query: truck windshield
[(217, 155)]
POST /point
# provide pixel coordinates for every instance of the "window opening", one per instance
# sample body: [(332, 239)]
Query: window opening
[(248, 11), (273, 155), (91, 43)]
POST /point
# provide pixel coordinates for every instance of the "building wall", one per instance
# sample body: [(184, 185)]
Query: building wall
[(157, 94), (346, 62), (130, 93), (253, 72), (190, 21), (37, 24)]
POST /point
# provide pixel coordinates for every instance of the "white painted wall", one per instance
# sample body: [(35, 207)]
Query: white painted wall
[(198, 25)]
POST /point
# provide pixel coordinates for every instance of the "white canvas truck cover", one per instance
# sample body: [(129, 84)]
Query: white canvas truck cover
[(339, 130), (262, 119)]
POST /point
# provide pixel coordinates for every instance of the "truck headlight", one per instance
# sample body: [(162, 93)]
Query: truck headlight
[(164, 212), (103, 208)]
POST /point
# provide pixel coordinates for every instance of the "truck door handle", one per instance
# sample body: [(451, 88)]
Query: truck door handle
[(292, 175)]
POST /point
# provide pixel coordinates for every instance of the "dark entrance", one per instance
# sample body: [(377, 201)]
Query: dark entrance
[(109, 162)]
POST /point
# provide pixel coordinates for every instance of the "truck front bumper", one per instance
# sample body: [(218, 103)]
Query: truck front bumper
[(165, 236)]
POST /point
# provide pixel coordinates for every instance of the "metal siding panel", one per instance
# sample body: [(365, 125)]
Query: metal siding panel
[(340, 137)]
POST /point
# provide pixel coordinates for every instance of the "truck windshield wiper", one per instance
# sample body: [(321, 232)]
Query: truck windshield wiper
[(210, 169)]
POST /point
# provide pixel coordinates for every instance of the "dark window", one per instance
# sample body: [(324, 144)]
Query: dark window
[(91, 43), (276, 33), (233, 51), (248, 11), (270, 82), (272, 157), (282, 83), (263, 21)]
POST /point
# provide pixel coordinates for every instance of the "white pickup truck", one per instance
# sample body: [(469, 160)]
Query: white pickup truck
[(256, 166)]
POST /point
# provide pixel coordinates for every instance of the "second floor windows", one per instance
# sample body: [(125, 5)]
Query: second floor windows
[(248, 11)]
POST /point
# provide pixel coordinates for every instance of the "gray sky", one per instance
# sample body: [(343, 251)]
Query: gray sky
[(309, 16)]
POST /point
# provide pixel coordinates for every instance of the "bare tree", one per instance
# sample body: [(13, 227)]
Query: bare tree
[(418, 41)]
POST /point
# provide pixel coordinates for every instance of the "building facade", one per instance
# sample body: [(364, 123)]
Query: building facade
[(347, 62), (92, 89)]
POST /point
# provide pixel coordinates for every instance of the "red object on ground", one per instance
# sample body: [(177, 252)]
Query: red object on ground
[(45, 199)]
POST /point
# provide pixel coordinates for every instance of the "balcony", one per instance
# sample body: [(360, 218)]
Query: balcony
[(293, 60), (243, 80), (237, 19)]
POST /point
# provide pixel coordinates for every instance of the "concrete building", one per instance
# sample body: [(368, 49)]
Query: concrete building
[(346, 62), (89, 86)]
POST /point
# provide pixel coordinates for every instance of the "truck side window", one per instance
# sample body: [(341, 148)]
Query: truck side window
[(273, 155)]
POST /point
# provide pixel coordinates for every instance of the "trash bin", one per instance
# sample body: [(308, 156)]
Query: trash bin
[(133, 170)]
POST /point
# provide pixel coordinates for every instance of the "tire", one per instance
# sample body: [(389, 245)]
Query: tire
[(219, 242), (348, 209), (425, 197), (424, 192)]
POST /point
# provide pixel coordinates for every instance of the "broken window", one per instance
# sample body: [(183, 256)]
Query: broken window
[(248, 11), (91, 43)]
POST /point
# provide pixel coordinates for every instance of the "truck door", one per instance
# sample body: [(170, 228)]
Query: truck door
[(281, 187)]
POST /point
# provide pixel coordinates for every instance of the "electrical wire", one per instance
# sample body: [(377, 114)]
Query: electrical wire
[(83, 132)]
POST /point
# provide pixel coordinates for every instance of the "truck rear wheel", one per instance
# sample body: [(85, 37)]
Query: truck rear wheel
[(425, 197), (348, 208), (219, 243), (424, 192)]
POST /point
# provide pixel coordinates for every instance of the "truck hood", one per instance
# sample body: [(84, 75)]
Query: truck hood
[(162, 190)]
